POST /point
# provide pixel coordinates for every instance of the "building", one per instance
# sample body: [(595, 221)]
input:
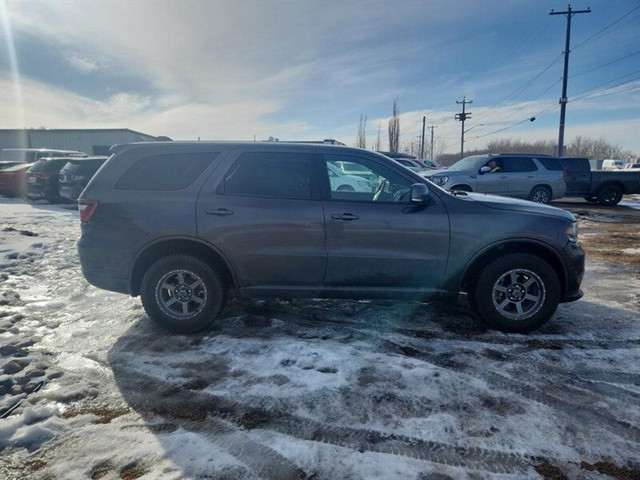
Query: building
[(94, 141)]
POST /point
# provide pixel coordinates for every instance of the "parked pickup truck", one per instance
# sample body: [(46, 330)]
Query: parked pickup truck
[(604, 187)]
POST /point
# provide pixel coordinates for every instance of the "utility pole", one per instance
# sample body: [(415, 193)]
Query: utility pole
[(431, 151), (563, 100), (462, 117), (424, 119)]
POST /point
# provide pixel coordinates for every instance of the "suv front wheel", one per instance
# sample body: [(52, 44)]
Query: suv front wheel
[(182, 293), (516, 293)]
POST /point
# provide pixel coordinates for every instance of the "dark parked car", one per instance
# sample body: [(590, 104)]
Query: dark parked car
[(75, 175), (184, 224), (603, 186), (42, 179)]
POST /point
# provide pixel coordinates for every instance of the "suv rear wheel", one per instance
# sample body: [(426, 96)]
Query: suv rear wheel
[(516, 293), (540, 195), (182, 293)]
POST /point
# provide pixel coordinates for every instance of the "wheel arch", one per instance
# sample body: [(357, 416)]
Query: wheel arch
[(185, 245), (534, 247), (611, 183), (544, 185)]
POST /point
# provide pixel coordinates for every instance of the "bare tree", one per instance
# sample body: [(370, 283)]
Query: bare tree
[(596, 149), (439, 146), (378, 144), (362, 132), (394, 128)]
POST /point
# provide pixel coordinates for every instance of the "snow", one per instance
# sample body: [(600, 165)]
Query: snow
[(327, 389)]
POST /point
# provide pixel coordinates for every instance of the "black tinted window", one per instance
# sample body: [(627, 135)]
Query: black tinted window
[(171, 171), (551, 164), (277, 175), (581, 164), (522, 164)]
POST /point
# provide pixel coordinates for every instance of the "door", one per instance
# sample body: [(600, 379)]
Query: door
[(521, 175), (377, 238), (578, 175), (493, 182), (265, 216)]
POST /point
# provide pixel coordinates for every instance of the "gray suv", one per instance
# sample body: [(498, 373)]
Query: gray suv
[(184, 225), (539, 178)]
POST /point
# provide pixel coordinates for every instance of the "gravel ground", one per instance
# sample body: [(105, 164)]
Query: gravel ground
[(312, 389)]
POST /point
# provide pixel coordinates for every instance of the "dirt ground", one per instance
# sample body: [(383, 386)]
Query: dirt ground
[(608, 234)]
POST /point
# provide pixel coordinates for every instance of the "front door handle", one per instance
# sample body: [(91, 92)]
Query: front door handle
[(503, 176), (530, 176), (220, 212), (345, 216)]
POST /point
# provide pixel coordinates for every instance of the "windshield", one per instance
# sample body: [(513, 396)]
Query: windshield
[(469, 163)]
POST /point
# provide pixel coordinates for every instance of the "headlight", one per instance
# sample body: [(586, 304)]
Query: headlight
[(572, 232), (363, 183), (440, 180)]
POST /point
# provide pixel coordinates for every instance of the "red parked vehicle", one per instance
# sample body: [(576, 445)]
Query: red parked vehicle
[(13, 180)]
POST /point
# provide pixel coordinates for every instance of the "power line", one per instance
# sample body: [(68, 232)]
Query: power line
[(605, 64), (594, 92), (526, 84), (528, 119), (606, 28), (607, 83)]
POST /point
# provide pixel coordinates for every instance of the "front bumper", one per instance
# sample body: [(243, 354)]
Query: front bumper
[(574, 257)]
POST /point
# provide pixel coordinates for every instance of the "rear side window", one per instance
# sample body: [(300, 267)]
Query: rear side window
[(551, 163), (522, 164), (576, 164), (171, 171), (276, 175)]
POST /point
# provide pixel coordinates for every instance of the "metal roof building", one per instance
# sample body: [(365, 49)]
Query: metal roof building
[(92, 141)]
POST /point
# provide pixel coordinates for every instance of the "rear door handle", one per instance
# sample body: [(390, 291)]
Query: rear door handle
[(345, 216), (220, 212), (503, 176), (530, 176)]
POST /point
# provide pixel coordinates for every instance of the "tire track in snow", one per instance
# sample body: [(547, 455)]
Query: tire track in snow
[(146, 394)]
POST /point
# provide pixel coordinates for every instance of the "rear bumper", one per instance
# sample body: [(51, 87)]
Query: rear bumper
[(35, 192), (70, 192), (100, 271), (574, 257)]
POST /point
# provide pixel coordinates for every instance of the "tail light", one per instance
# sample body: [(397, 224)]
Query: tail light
[(45, 175), (565, 177), (86, 209)]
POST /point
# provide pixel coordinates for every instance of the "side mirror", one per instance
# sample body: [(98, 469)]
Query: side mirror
[(420, 194), (484, 170)]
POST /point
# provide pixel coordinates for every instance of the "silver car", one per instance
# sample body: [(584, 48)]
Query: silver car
[(539, 178)]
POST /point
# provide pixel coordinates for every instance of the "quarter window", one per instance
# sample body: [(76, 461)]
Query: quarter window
[(172, 171), (276, 175)]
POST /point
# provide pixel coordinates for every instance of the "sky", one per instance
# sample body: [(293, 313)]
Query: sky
[(308, 70)]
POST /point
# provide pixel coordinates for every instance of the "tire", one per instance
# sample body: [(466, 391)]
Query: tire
[(173, 298), (591, 199), (461, 188), (528, 280), (346, 188), (540, 194), (609, 195)]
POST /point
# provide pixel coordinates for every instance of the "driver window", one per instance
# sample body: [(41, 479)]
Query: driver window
[(495, 164), (361, 179)]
